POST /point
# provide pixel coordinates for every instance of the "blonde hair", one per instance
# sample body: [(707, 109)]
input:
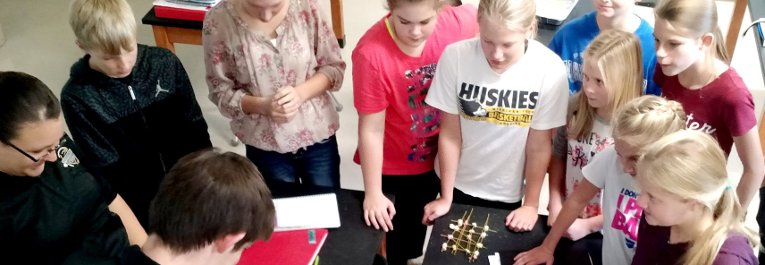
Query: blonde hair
[(691, 165), (696, 17), (518, 14), (619, 59), (104, 25), (393, 4), (646, 119)]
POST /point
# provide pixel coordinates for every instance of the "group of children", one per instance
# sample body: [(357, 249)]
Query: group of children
[(501, 100), (456, 105)]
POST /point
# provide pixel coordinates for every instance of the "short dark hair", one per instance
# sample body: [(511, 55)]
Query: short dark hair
[(207, 195), (24, 98)]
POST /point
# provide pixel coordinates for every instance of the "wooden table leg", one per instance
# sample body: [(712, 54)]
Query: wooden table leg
[(383, 251), (161, 38), (337, 21), (735, 26)]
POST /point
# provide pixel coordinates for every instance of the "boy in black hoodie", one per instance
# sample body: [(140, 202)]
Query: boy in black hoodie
[(130, 107)]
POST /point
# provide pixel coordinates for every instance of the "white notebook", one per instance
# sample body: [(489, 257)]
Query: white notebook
[(307, 212), (554, 11)]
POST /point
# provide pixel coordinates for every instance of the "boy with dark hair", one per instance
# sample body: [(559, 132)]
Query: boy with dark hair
[(209, 208), (130, 107)]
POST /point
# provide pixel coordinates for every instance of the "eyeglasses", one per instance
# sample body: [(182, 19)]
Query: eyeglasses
[(45, 153)]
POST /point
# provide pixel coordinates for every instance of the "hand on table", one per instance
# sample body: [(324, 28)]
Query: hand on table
[(378, 211), (435, 209), (522, 219), (537, 255)]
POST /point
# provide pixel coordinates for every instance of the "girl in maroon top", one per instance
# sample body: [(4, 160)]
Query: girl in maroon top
[(693, 70)]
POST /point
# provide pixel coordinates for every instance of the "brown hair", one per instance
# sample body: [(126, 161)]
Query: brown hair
[(24, 98), (208, 195)]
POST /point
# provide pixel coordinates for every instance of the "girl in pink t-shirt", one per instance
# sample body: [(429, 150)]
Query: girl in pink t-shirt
[(393, 65)]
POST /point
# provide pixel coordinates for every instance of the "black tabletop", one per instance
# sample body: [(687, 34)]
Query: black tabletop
[(503, 240), (353, 242), (151, 19)]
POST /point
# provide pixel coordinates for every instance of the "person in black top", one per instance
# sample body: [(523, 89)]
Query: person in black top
[(208, 209), (52, 211), (129, 107)]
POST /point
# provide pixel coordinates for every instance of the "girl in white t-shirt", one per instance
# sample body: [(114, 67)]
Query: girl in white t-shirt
[(638, 123), (611, 78), (500, 96)]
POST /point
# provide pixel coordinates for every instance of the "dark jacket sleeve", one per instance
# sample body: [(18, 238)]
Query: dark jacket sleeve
[(92, 148)]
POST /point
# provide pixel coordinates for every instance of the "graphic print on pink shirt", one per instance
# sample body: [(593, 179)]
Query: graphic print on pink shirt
[(425, 119), (627, 216)]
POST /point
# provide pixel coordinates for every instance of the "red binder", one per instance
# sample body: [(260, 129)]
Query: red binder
[(179, 13), (285, 248)]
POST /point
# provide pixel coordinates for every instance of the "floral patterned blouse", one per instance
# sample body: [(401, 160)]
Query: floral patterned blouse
[(241, 62)]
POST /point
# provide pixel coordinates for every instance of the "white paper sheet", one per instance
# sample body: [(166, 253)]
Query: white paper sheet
[(306, 212), (555, 10), (494, 259)]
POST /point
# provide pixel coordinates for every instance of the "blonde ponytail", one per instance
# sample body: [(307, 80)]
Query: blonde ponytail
[(690, 165), (721, 52), (727, 219), (697, 17)]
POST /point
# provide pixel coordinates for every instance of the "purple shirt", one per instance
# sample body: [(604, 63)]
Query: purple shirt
[(655, 249)]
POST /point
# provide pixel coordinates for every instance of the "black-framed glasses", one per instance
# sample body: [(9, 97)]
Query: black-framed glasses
[(46, 152)]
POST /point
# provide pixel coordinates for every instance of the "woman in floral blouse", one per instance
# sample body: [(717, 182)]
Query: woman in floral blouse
[(269, 64)]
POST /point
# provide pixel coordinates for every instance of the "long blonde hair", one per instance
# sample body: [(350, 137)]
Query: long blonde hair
[(646, 119), (517, 14), (691, 165), (619, 59), (696, 17)]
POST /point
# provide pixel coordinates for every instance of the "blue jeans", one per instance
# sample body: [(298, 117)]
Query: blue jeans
[(318, 164)]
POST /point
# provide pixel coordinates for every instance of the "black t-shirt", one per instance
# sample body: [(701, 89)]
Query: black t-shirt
[(60, 217), (134, 256)]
